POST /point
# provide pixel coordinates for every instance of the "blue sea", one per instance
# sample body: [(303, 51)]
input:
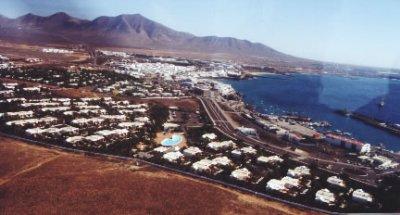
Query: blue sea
[(318, 96)]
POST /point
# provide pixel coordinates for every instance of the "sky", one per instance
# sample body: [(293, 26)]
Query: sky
[(360, 32)]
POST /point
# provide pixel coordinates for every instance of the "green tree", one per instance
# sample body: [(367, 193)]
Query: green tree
[(159, 114)]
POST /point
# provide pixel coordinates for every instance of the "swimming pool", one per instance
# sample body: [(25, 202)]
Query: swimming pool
[(173, 141)]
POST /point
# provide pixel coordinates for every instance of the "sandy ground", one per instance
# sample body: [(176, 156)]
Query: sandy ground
[(296, 128), (37, 180), (21, 51), (62, 92)]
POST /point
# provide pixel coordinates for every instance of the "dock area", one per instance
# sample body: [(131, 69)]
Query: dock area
[(370, 121)]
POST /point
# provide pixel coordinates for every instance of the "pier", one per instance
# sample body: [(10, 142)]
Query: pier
[(370, 121)]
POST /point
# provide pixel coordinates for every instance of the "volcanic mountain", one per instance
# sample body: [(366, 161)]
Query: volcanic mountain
[(131, 31)]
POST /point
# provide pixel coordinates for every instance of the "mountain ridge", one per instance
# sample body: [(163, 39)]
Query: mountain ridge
[(126, 30)]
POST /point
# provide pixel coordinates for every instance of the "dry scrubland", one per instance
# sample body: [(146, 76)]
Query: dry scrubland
[(37, 180), (19, 52)]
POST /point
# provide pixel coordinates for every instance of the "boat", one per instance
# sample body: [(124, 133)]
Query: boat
[(381, 103)]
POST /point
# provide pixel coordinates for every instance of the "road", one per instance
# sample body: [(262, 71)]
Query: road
[(222, 124), (168, 168)]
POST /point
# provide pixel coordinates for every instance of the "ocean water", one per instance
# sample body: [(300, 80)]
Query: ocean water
[(318, 96)]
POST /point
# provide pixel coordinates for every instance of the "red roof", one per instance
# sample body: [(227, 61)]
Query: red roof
[(344, 139)]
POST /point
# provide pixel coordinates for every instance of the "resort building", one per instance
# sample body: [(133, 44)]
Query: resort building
[(74, 140), (129, 125), (55, 109), (271, 160), (277, 185), (236, 153), (161, 149), (87, 121), (31, 89), (114, 118), (343, 141), (290, 182), (173, 157), (143, 119), (35, 132), (115, 133), (248, 150), (325, 196), (242, 174), (284, 185), (222, 161), (192, 151), (335, 181), (247, 131), (209, 136), (171, 126), (6, 93), (94, 138), (40, 132), (361, 196), (19, 115), (33, 122), (204, 165), (221, 145), (299, 172)]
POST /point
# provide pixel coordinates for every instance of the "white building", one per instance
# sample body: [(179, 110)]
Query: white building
[(336, 182), (170, 126), (57, 51), (209, 136), (242, 174), (237, 153), (271, 160), (31, 89), (284, 185), (74, 139), (203, 165), (247, 131), (88, 121), (143, 119), (249, 150), (19, 114), (114, 118), (361, 196), (129, 125), (290, 182), (299, 172), (33, 121), (221, 145), (325, 196), (173, 157), (276, 185), (222, 161), (192, 151), (55, 109), (94, 138), (113, 133), (34, 132), (161, 149)]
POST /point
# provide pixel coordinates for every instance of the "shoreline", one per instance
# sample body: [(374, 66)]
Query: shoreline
[(296, 112)]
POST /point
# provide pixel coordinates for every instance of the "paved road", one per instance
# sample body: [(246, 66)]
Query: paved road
[(220, 122), (168, 168)]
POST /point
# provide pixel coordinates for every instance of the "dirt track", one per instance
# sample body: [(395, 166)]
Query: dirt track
[(37, 180)]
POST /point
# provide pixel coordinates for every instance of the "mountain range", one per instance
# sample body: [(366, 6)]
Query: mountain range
[(127, 30)]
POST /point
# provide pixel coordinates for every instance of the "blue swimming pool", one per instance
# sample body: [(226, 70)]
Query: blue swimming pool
[(173, 141)]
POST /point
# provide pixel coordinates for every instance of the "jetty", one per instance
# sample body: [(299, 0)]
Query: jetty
[(370, 121)]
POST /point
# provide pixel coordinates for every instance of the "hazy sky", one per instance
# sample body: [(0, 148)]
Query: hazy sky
[(364, 32)]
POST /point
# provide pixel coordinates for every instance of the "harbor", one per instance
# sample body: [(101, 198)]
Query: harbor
[(318, 97), (392, 128)]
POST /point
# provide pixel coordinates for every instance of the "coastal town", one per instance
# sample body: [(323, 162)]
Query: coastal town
[(178, 114)]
